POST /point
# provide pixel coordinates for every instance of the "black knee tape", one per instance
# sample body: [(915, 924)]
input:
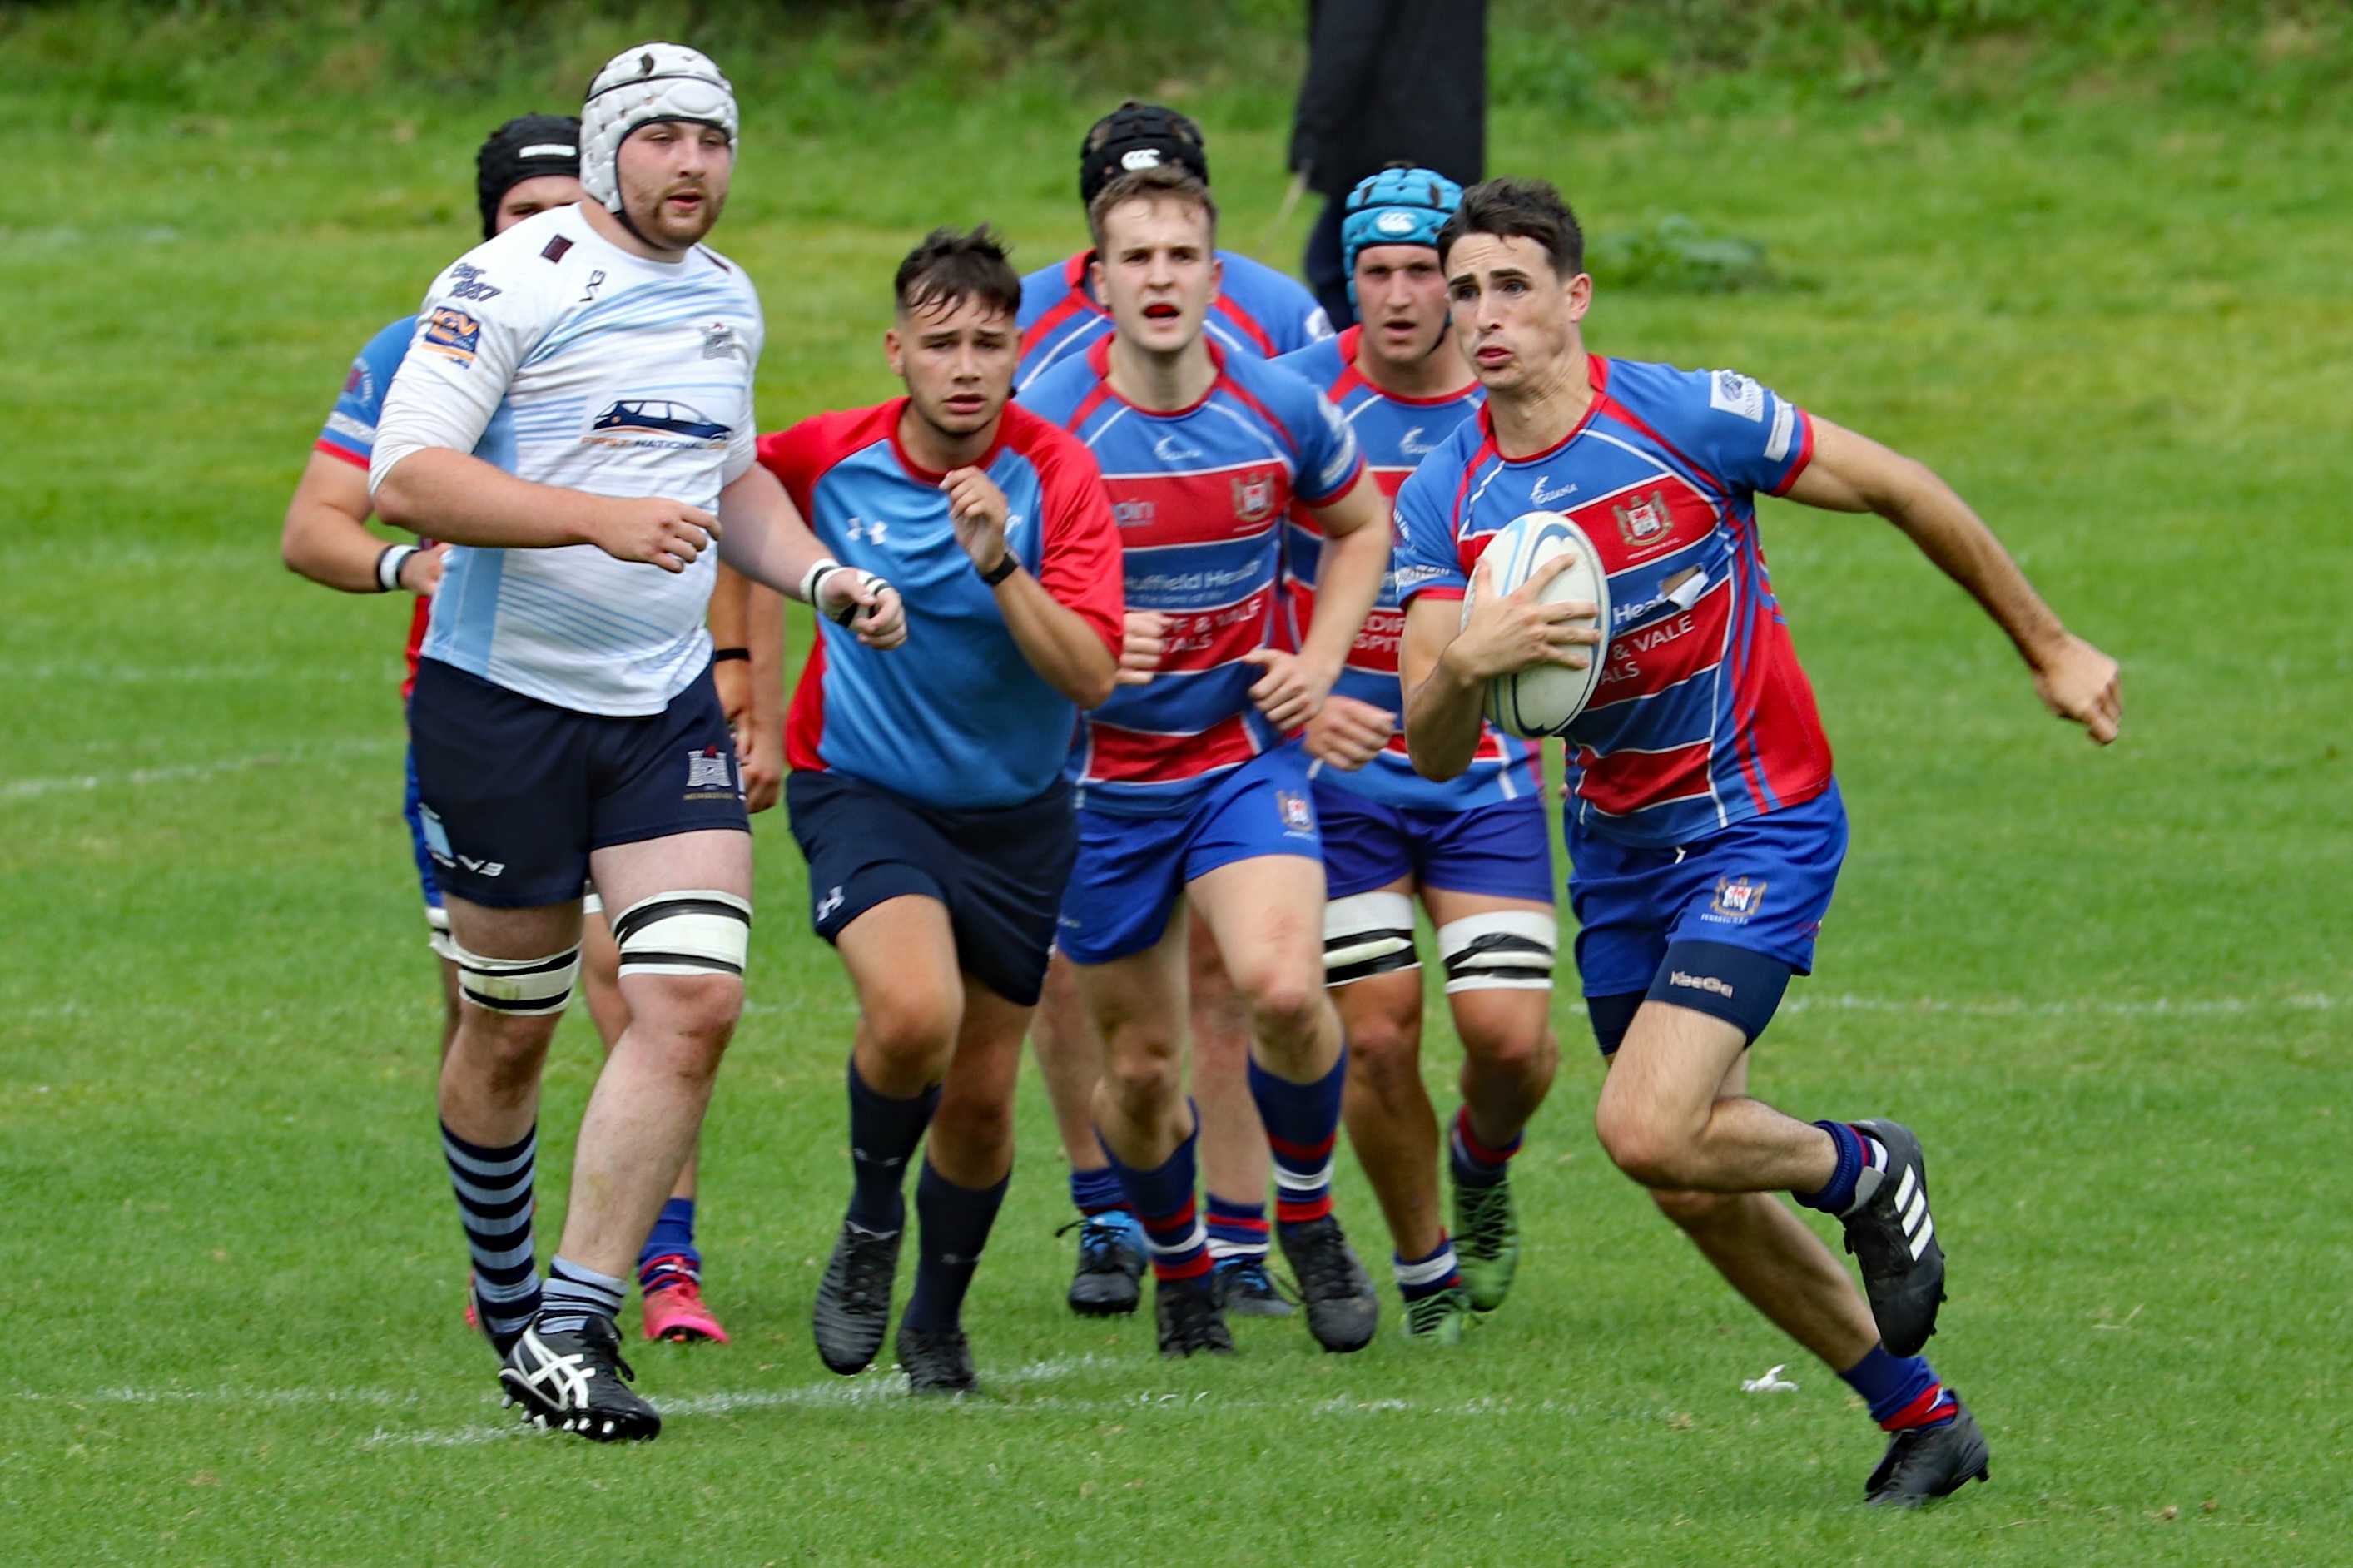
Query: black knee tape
[(1737, 984), (1611, 1017)]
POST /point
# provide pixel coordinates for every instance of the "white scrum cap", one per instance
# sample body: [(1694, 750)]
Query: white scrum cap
[(637, 87)]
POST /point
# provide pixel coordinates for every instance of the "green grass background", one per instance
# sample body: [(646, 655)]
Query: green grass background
[(2088, 261)]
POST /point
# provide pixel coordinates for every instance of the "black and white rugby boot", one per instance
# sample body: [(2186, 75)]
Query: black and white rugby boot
[(853, 1299), (570, 1382), (936, 1361), (1924, 1463), (1190, 1322), (1342, 1310), (1893, 1238), (1110, 1279)]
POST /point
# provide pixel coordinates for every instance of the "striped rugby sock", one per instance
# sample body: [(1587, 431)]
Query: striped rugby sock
[(1477, 1164), (1861, 1161), (1902, 1392), (1302, 1122), (495, 1203), (574, 1294), (1419, 1277), (1162, 1198), (1236, 1230)]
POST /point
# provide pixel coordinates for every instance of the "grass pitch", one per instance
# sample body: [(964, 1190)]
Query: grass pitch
[(2111, 990)]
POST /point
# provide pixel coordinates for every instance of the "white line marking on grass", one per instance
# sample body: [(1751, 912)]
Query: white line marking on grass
[(28, 789), (2074, 1007)]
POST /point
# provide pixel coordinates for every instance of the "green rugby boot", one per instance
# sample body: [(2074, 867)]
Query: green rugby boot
[(1440, 1320), (1486, 1241)]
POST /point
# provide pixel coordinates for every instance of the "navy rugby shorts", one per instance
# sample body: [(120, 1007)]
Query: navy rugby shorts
[(513, 793), (999, 871)]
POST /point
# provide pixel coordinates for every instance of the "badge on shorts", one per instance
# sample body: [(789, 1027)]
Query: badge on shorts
[(1737, 897), (1298, 816), (707, 769)]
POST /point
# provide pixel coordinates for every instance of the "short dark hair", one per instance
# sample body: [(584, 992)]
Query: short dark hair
[(1519, 209), (1151, 184), (948, 266)]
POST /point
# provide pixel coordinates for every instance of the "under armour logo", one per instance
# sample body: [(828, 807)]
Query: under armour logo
[(830, 902)]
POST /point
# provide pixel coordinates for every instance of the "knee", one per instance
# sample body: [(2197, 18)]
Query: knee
[(1518, 1056), (1384, 1048), (690, 1019), (1693, 1211), (1285, 1000), (1140, 1072), (916, 1025), (973, 1133), (506, 1048), (1641, 1144)]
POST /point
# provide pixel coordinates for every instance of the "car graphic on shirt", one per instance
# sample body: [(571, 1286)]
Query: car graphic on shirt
[(628, 421)]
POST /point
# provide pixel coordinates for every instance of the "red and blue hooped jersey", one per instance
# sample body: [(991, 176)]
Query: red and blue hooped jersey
[(1703, 718), (350, 435), (1258, 312), (956, 718), (1395, 433), (1199, 496)]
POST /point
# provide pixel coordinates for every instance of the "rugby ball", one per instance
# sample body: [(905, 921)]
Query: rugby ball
[(1545, 699)]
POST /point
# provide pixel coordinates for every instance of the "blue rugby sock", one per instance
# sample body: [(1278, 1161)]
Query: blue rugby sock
[(1302, 1124), (1419, 1277), (669, 1248), (1163, 1198), (1859, 1153), (1097, 1191), (1902, 1393), (1236, 1230)]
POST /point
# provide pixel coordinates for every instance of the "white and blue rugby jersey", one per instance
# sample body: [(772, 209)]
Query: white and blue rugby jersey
[(1396, 433), (1199, 496), (565, 360)]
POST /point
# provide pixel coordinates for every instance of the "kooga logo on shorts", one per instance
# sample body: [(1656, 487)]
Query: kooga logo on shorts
[(1707, 983)]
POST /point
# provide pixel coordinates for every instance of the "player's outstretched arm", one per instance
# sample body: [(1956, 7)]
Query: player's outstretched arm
[(1854, 473), (1070, 654), (326, 538), (762, 536)]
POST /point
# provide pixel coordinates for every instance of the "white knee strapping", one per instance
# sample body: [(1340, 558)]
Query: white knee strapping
[(1367, 934), (694, 930), (1505, 950), (436, 933), (520, 987)]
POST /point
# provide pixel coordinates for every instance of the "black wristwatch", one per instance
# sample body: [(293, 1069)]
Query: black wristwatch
[(1005, 566)]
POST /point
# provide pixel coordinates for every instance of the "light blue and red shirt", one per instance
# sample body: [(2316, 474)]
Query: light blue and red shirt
[(1199, 494), (1258, 312), (955, 717), (1703, 718), (350, 435), (1395, 433)]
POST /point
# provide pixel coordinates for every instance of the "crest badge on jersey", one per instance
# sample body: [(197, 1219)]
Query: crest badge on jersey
[(452, 333), (1298, 815), (1647, 520), (719, 341), (1737, 897), (1254, 498)]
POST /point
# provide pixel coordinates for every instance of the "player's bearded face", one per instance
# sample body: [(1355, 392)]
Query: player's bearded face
[(1516, 319), (957, 358), (1401, 299), (673, 176), (1158, 272)]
